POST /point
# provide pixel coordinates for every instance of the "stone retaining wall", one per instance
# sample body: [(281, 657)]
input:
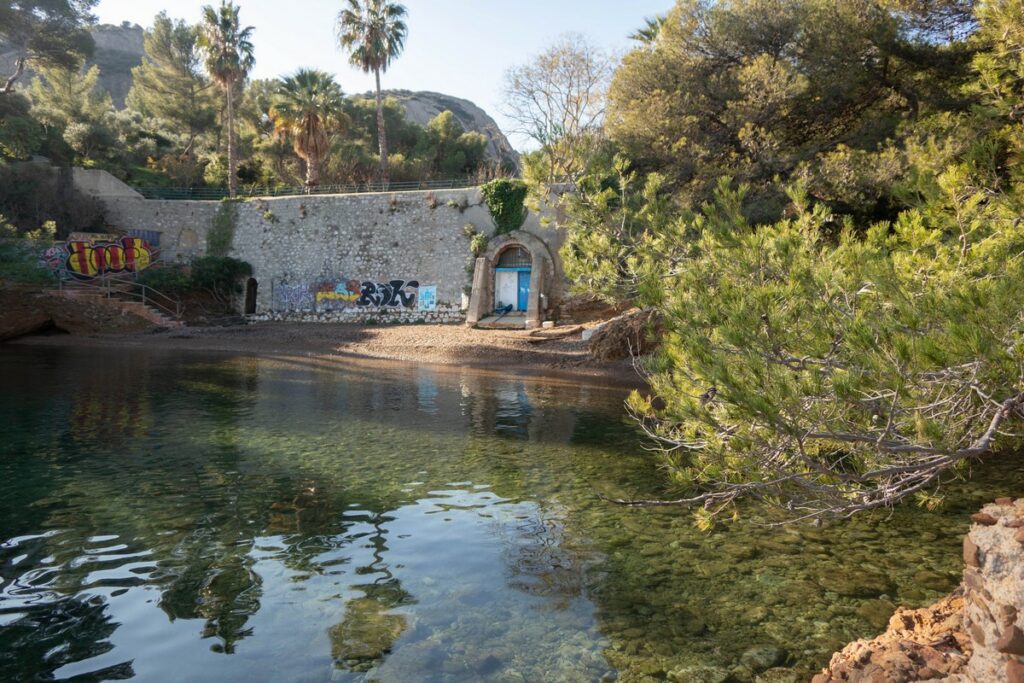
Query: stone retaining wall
[(307, 251)]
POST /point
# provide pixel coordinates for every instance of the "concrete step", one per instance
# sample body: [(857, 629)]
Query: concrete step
[(150, 313), (506, 322)]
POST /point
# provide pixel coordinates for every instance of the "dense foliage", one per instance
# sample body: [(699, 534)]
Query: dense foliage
[(45, 33), (823, 200), (219, 277), (506, 200), (765, 90)]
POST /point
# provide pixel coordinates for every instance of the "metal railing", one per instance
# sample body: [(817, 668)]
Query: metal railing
[(217, 193), (116, 287)]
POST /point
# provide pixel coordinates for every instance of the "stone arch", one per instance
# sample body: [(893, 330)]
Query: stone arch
[(542, 272)]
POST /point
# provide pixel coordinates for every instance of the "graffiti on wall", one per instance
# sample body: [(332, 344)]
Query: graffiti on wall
[(89, 256), (55, 257), (348, 294), (337, 295), (389, 295), (293, 297), (428, 298)]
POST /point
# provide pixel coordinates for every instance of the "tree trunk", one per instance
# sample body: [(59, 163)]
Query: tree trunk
[(382, 135), (9, 86), (312, 172), (232, 162)]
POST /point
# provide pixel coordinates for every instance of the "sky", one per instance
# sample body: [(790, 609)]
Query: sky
[(456, 47)]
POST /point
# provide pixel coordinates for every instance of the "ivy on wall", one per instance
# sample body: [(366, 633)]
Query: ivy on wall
[(222, 231), (506, 200)]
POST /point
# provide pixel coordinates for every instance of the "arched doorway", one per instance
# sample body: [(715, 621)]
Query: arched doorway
[(251, 286), (516, 270), (512, 278)]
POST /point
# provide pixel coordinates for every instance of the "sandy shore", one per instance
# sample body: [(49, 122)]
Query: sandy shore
[(507, 351)]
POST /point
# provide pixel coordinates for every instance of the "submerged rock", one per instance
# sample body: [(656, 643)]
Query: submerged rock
[(857, 583), (763, 657), (699, 674)]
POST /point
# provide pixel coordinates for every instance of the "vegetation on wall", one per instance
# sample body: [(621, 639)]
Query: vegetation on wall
[(221, 236), (506, 200)]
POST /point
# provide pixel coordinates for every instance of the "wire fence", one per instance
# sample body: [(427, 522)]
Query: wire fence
[(218, 193)]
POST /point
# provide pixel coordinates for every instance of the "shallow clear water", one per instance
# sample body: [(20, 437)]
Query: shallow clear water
[(206, 517)]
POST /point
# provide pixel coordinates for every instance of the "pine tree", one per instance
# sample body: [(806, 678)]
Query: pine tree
[(170, 85)]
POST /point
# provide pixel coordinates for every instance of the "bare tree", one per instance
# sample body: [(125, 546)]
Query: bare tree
[(558, 101)]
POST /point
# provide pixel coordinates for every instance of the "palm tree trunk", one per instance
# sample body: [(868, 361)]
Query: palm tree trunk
[(312, 172), (232, 162), (382, 135)]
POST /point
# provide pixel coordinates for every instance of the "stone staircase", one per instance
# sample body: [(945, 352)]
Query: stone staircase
[(120, 295)]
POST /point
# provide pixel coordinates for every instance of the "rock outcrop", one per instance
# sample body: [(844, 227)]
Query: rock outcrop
[(974, 636), (919, 645), (420, 107), (118, 50)]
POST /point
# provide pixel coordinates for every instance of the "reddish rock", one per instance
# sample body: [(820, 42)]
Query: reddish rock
[(1014, 523), (972, 555), (919, 645), (984, 519), (1007, 615), (1014, 672), (1019, 536), (1011, 641), (1004, 501)]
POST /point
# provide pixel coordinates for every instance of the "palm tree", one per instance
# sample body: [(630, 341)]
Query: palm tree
[(373, 32), (229, 58), (307, 107), (648, 34)]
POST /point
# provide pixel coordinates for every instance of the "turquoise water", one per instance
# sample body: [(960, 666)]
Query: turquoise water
[(207, 517)]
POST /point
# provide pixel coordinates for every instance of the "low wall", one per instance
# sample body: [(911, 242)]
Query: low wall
[(442, 315), (401, 256)]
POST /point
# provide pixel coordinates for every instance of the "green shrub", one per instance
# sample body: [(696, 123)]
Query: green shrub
[(166, 280), (20, 262), (478, 243), (219, 274), (506, 200)]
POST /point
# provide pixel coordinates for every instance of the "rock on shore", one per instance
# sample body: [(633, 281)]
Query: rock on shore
[(975, 635)]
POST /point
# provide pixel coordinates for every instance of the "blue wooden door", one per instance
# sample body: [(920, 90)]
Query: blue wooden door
[(524, 290)]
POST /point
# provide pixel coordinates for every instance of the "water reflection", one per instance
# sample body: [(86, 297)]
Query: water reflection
[(215, 518)]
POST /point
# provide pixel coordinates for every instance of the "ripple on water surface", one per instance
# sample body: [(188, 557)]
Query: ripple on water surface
[(194, 517)]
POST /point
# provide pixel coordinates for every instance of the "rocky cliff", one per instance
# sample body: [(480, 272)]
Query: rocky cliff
[(422, 106), (118, 50)]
